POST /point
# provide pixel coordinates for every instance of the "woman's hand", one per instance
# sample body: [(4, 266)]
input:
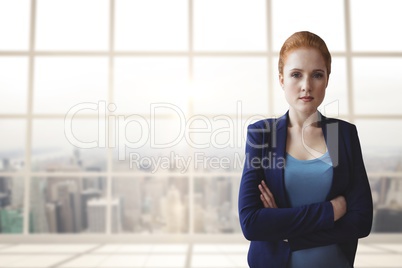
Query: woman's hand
[(339, 205), (266, 196)]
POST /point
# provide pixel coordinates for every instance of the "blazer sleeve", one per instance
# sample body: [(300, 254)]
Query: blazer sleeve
[(356, 223), (273, 224)]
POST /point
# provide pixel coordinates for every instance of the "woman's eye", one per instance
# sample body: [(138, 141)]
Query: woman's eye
[(296, 75), (318, 75)]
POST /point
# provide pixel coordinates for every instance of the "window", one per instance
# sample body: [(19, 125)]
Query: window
[(219, 83), (153, 25), (129, 117), (370, 34), (17, 14), (242, 28), (12, 144), (290, 16), (375, 77), (14, 85), (72, 25)]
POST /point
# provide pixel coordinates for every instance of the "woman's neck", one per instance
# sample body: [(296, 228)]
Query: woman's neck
[(301, 120)]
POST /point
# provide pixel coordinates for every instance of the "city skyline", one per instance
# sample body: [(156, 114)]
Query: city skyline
[(146, 202)]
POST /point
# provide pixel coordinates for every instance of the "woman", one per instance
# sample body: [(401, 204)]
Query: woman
[(304, 197)]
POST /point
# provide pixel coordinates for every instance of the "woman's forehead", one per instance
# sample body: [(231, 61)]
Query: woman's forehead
[(304, 58)]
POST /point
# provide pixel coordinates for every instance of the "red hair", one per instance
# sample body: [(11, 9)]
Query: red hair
[(304, 39)]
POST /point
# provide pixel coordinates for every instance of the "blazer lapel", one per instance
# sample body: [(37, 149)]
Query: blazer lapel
[(338, 153), (278, 140), (334, 142)]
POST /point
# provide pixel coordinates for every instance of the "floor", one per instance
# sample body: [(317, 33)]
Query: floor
[(163, 255)]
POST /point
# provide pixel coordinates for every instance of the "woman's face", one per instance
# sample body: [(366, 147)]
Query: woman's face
[(304, 80)]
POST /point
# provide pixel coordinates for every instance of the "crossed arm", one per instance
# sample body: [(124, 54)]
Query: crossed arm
[(342, 219), (267, 198)]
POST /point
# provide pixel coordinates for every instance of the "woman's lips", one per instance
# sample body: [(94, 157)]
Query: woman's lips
[(306, 98)]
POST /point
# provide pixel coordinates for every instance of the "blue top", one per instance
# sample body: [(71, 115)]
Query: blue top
[(308, 182)]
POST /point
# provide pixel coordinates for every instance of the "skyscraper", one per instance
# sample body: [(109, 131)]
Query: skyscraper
[(11, 221), (96, 216)]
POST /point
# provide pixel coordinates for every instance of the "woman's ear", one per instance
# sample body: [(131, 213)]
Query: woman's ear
[(281, 80)]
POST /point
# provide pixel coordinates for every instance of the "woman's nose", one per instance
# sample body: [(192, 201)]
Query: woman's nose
[(306, 84)]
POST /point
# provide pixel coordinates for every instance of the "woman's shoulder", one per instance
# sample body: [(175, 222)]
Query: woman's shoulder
[(343, 124)]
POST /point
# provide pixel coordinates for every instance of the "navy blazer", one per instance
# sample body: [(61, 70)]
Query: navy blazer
[(310, 225)]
